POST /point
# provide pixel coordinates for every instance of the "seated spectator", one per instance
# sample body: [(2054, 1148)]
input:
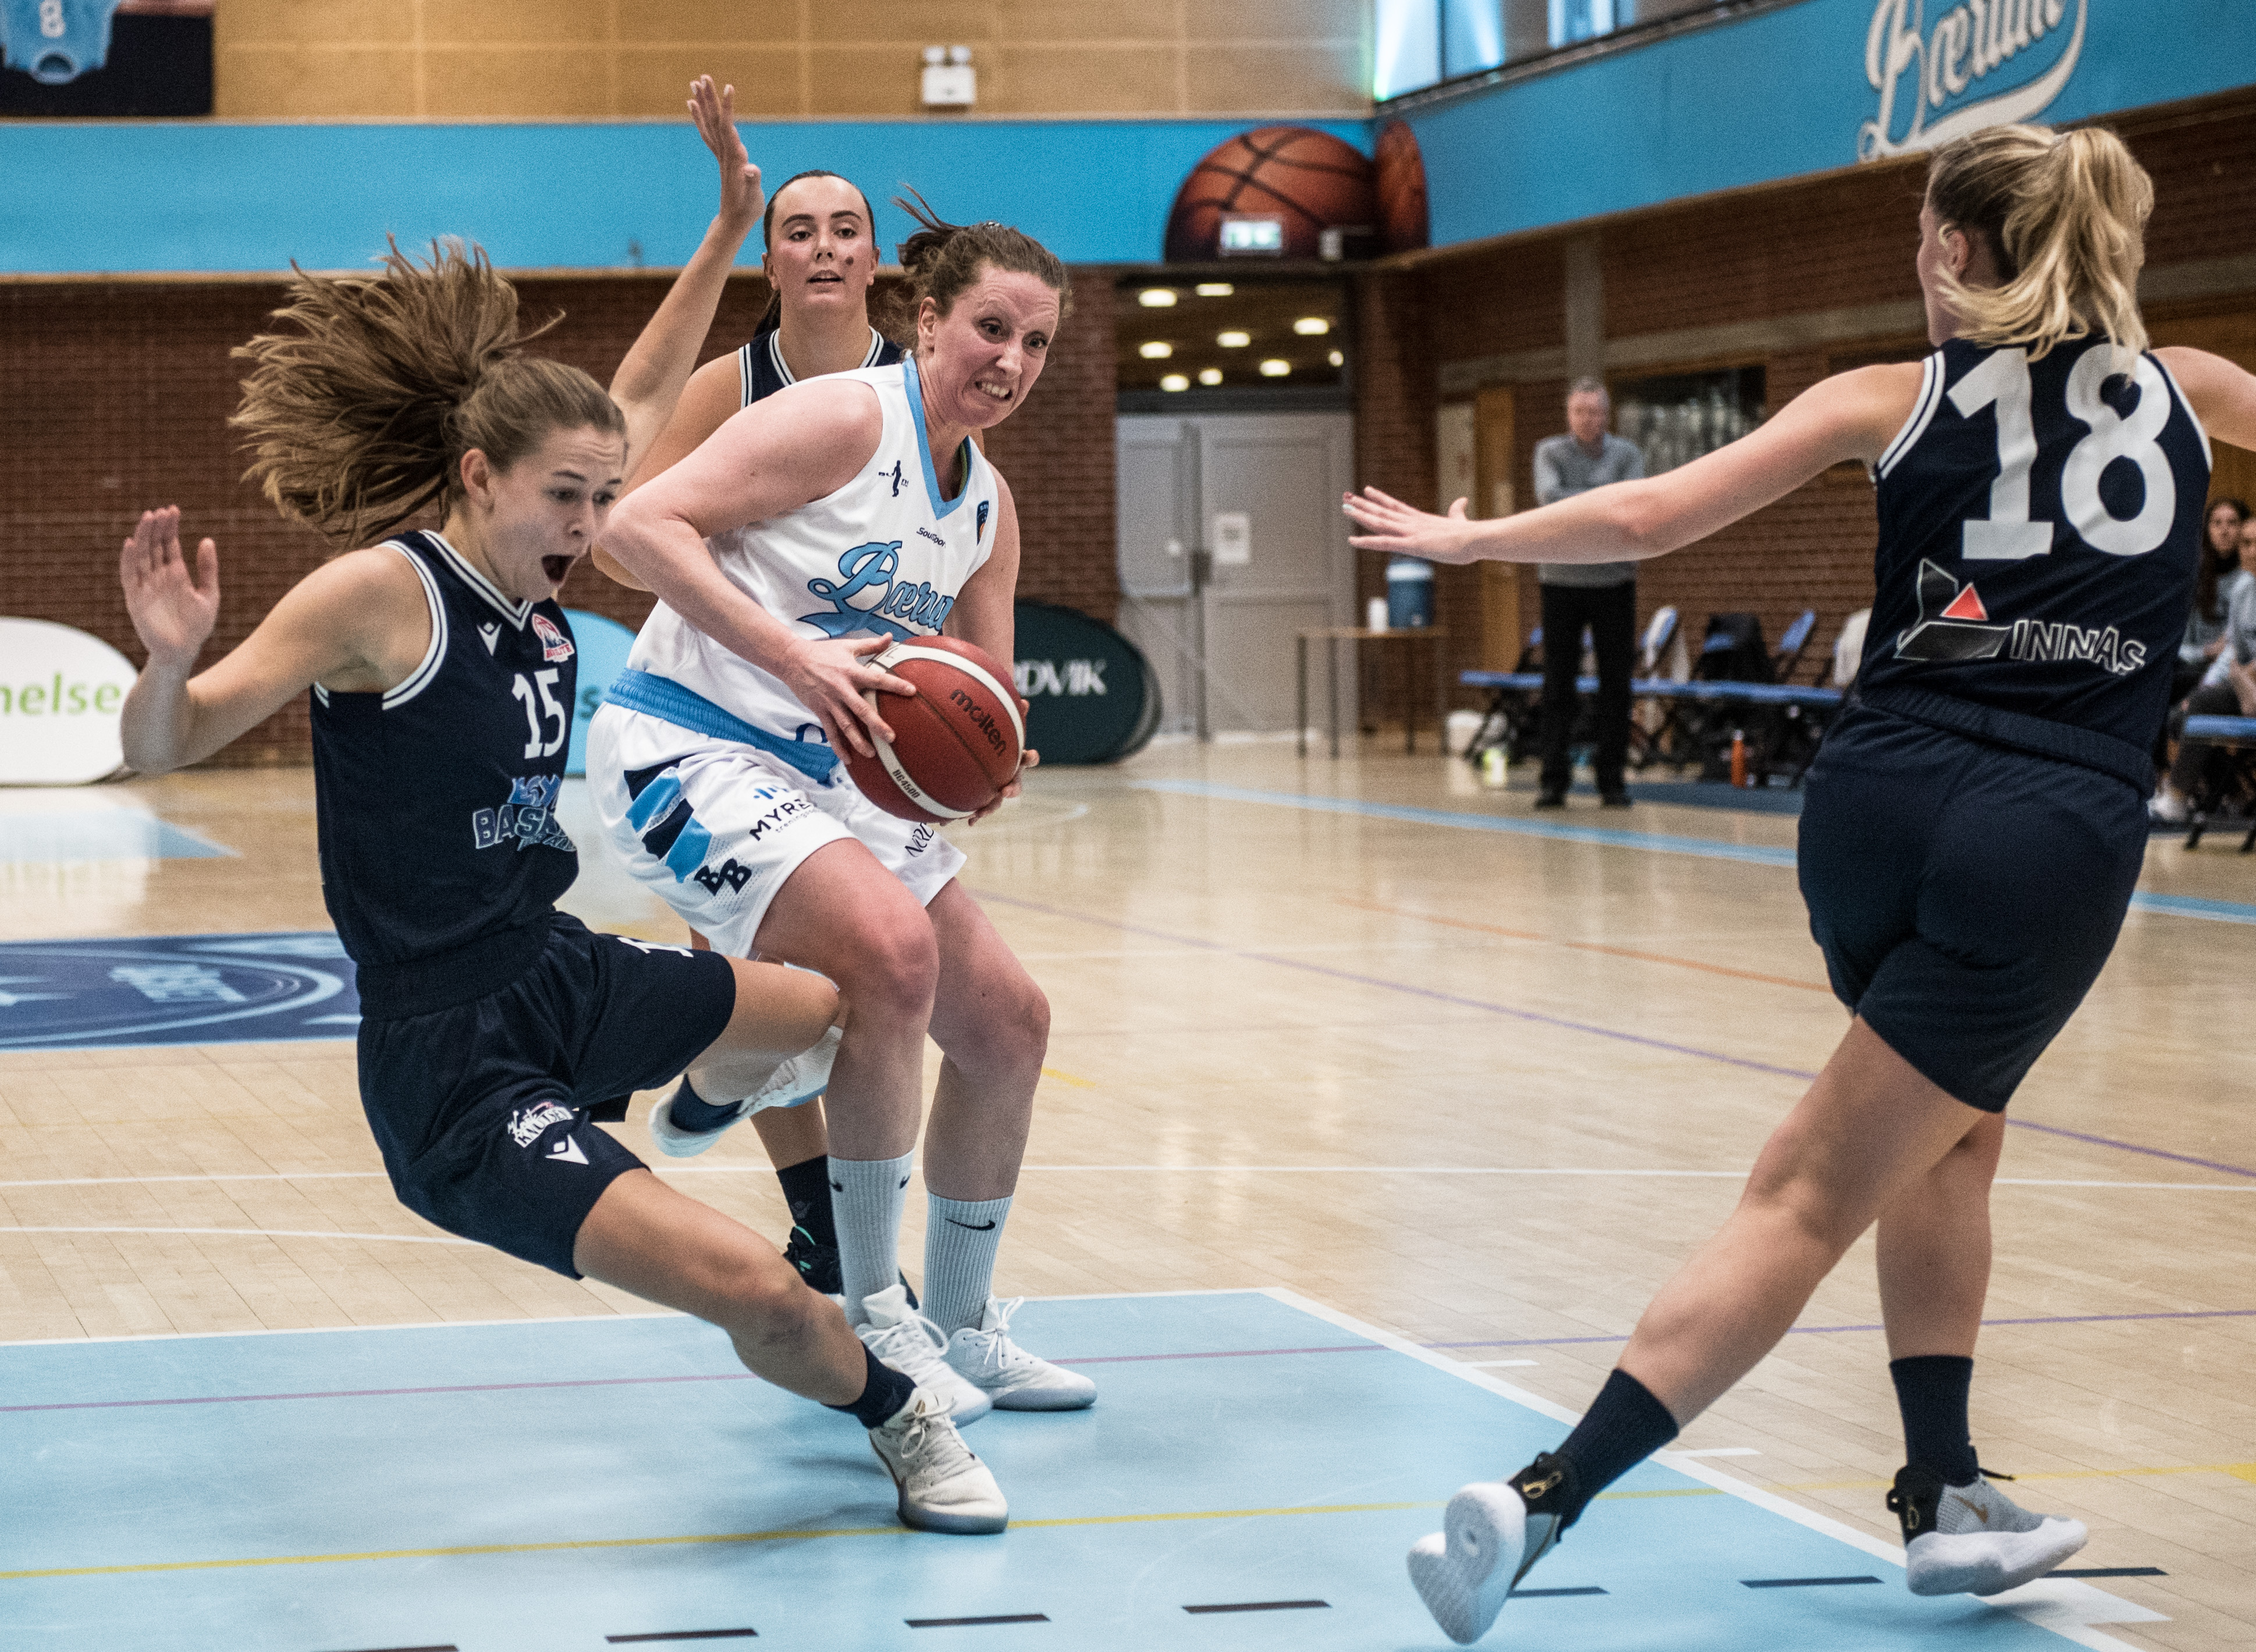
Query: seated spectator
[(2228, 691), (2221, 571)]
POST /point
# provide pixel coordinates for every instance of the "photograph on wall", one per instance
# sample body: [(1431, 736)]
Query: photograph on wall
[(105, 59)]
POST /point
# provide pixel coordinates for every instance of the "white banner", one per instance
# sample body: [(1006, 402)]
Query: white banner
[(61, 694)]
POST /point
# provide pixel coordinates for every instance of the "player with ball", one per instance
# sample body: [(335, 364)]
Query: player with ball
[(841, 524)]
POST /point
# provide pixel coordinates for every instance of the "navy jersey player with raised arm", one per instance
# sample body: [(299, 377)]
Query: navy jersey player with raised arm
[(495, 1027), (1974, 825)]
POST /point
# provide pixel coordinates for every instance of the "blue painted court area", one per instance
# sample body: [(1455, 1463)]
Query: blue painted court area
[(99, 834), (184, 989), (546, 1487)]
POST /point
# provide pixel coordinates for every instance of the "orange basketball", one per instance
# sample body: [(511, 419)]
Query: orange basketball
[(956, 740), (1403, 222), (1310, 180)]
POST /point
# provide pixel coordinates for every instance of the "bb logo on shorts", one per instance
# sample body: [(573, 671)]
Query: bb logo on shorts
[(528, 1124), (555, 644), (728, 874)]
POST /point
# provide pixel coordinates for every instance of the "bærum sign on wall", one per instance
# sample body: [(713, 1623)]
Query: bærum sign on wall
[(1986, 64), (61, 694), (1790, 89)]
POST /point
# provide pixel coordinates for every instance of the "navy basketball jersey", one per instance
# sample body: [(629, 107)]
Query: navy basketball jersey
[(2040, 523), (761, 371), (441, 856)]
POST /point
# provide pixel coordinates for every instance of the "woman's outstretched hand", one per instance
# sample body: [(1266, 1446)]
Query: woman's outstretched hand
[(714, 112), (1389, 525), (172, 608)]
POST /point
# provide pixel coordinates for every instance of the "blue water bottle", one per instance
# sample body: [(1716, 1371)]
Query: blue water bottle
[(1409, 594)]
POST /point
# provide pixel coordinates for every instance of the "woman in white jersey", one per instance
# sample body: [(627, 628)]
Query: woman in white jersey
[(820, 262), (814, 528)]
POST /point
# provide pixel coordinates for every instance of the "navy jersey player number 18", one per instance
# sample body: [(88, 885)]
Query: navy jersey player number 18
[(1974, 826)]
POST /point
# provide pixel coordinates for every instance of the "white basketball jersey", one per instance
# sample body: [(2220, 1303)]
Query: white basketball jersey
[(884, 556)]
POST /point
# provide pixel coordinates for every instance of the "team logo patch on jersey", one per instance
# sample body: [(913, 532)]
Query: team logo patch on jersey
[(1950, 626), (528, 819), (1958, 630), (555, 644), (897, 479)]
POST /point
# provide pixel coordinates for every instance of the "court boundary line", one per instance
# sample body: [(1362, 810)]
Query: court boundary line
[(1626, 1173), (2062, 1605)]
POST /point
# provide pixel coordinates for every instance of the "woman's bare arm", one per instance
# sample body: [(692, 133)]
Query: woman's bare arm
[(715, 394), (358, 625), (1853, 415), (2222, 393), (649, 382), (799, 445)]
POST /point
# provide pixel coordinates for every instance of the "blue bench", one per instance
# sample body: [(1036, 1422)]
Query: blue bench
[(2236, 734), (1511, 694)]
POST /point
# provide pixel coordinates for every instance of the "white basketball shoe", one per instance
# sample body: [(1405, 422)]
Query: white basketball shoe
[(905, 1339), (1011, 1378), (1974, 1539), (799, 1080), (942, 1485), (1490, 1539)]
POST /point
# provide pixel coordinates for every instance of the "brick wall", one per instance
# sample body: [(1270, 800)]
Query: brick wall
[(118, 394)]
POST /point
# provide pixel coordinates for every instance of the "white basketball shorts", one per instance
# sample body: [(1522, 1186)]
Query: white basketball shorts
[(715, 828)]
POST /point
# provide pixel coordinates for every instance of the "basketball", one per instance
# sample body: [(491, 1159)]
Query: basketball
[(1404, 224), (956, 740), (1310, 180)]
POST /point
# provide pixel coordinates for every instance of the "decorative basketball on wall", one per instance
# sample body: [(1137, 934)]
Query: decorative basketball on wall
[(1404, 224), (1310, 180), (956, 740)]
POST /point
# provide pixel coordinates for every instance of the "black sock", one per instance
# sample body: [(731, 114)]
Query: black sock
[(1931, 1392), (807, 1189), (691, 1112), (883, 1396), (1624, 1426)]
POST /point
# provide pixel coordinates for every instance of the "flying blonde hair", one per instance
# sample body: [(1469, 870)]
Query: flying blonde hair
[(2064, 214), (359, 414)]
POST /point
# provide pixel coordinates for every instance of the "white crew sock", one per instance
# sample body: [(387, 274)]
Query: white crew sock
[(961, 1237), (867, 1196)]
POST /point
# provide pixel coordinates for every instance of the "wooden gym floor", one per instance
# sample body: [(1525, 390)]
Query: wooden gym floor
[(1359, 1029)]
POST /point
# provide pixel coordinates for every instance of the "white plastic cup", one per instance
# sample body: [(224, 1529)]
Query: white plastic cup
[(1374, 614)]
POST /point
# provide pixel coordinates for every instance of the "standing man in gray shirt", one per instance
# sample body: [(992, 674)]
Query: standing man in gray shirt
[(1601, 596)]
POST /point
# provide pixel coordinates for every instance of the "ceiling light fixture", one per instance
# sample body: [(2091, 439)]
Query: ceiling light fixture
[(1175, 381), (1312, 327), (1156, 298), (1155, 351), (1233, 339), (1274, 368)]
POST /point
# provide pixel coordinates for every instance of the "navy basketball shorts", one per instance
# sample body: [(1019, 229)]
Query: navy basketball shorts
[(482, 1109), (1966, 896)]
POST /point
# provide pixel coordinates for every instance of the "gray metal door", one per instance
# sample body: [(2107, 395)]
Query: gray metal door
[(1232, 543)]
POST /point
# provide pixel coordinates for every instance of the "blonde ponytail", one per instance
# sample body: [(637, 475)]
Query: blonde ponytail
[(2064, 215), (359, 413)]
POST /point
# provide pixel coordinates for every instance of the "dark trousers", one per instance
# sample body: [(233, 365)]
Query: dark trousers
[(2194, 755), (1610, 611)]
